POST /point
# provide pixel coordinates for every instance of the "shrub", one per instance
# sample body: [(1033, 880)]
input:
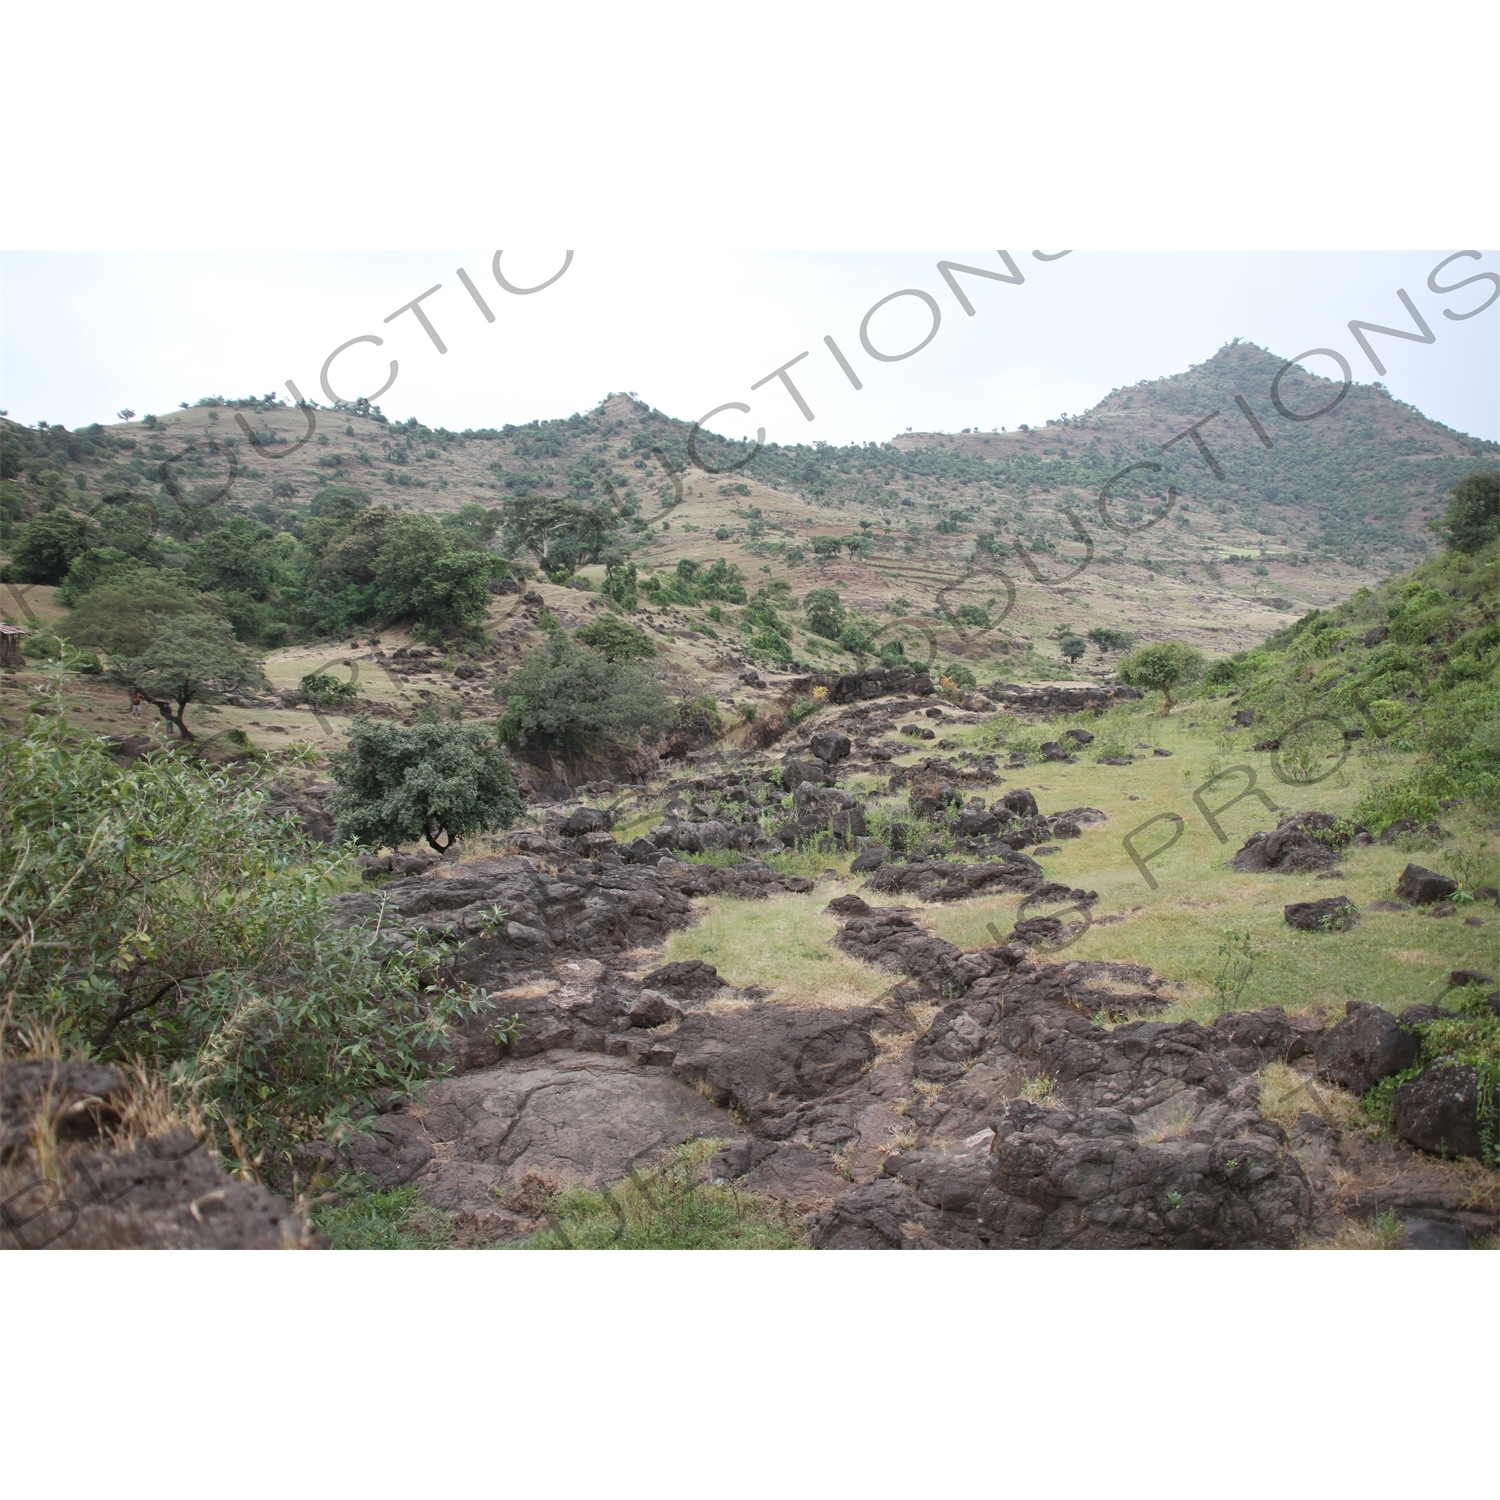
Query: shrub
[(324, 691), (163, 918), (616, 639), (435, 781), (564, 698), (959, 677)]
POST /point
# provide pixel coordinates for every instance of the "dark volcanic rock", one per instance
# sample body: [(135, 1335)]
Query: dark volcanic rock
[(1331, 914), (1393, 831), (939, 880), (1308, 841), (586, 820), (1078, 736), (1437, 1111), (1367, 1045), (1422, 887), (763, 1060), (871, 859), (164, 1192), (1432, 1234), (1019, 803), (830, 745), (692, 980)]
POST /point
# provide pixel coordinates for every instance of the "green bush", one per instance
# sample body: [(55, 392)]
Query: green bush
[(324, 691), (154, 913), (564, 698), (434, 781), (616, 639)]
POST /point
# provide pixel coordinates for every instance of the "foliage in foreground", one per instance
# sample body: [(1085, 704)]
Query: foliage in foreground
[(155, 913), (672, 1207), (433, 781)]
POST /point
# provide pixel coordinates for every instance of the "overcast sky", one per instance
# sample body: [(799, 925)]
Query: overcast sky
[(85, 334)]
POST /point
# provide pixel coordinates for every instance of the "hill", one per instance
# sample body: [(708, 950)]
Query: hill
[(956, 546)]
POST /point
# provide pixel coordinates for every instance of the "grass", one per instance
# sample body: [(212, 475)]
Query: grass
[(396, 1220), (1393, 959), (673, 1207), (783, 944)]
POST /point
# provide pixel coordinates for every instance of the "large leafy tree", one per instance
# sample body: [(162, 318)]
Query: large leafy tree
[(1472, 519), (560, 534), (191, 659), (48, 544), (564, 697), (1162, 667), (121, 617), (434, 781), (1106, 638), (422, 575), (824, 612)]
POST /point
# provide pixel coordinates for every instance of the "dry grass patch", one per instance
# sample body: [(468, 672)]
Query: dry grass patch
[(1286, 1093), (783, 945)]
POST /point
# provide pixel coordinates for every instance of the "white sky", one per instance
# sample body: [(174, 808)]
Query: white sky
[(85, 334)]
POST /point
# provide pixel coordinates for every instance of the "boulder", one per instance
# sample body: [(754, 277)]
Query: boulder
[(1422, 887), (1393, 831), (1052, 750), (1078, 736), (1437, 1111), (871, 859), (586, 820), (1331, 914), (652, 1009), (1432, 1234), (1018, 803), (830, 745), (1367, 1045)]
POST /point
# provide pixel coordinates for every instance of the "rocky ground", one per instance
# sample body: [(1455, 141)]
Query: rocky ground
[(997, 1098)]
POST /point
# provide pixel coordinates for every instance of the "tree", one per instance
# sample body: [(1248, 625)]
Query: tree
[(121, 617), (1472, 519), (564, 697), (1108, 639), (620, 584), (560, 534), (824, 612), (420, 574), (1072, 647), (191, 659), (1161, 667), (47, 546), (827, 546), (475, 526), (434, 781), (338, 502), (616, 639)]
